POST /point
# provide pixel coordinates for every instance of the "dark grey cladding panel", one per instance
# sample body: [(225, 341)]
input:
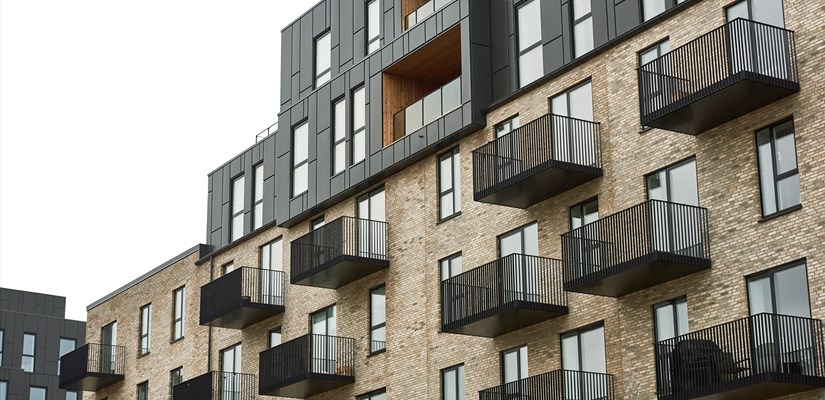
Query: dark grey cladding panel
[(236, 166), (375, 140), (215, 238), (286, 66), (313, 124), (346, 30), (312, 193), (416, 35), (337, 184), (374, 63), (387, 25), (357, 173), (600, 29), (431, 29), (501, 83), (307, 46), (554, 54), (500, 34), (319, 18), (567, 27), (226, 217), (338, 87), (397, 50), (269, 145), (296, 78), (297, 204), (334, 9), (450, 15), (296, 47), (628, 16), (269, 198), (356, 75), (323, 106), (227, 189), (209, 212), (334, 57), (282, 187), (551, 13), (386, 57), (376, 164), (322, 162), (359, 13)]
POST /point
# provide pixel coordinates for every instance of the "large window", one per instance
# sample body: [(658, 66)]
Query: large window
[(452, 383), (323, 324), (670, 319), (271, 262), (373, 25), (66, 345), (300, 159), (782, 290), (359, 125), (523, 240), (449, 184), (652, 8), (778, 171), (520, 280), (27, 361), (339, 127), (450, 266), (237, 207), (378, 319), (378, 394), (583, 350), (530, 54), (582, 27), (145, 321), (573, 141), (323, 56), (258, 206), (175, 377), (143, 391), (676, 183), (764, 11), (676, 228), (177, 313), (37, 393), (514, 365)]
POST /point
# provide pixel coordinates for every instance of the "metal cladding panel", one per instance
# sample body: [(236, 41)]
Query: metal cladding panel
[(554, 54), (346, 31), (286, 65), (600, 31), (322, 163), (307, 44), (628, 16), (319, 18)]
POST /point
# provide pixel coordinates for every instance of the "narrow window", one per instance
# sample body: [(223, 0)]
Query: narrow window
[(300, 159), (323, 56), (778, 170), (237, 207), (530, 55), (586, 250), (652, 8), (655, 76), (574, 141), (670, 319), (584, 213), (582, 27), (359, 125), (275, 337), (507, 126), (372, 205), (27, 361), (373, 26), (523, 240), (230, 372), (324, 329), (450, 266), (177, 314), (376, 395), (582, 352), (449, 174), (378, 320), (519, 280), (258, 206), (271, 262), (227, 268), (145, 320), (4, 390), (175, 377), (2, 334), (339, 126), (143, 391), (514, 365), (317, 223), (452, 383), (66, 346), (37, 393)]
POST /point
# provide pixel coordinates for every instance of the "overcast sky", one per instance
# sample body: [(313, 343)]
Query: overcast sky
[(112, 113)]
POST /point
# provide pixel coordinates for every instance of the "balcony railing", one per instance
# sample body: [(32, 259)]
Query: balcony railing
[(555, 385), (340, 252), (92, 367), (306, 366), (726, 73), (430, 108), (217, 386), (540, 159), (758, 357), (425, 11), (502, 296), (642, 246), (242, 297)]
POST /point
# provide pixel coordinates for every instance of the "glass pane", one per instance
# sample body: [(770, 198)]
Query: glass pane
[(759, 295), (374, 45), (510, 244), (738, 10), (768, 12), (583, 36), (424, 11), (275, 338), (681, 317), (340, 157), (450, 385), (446, 205), (785, 148), (69, 396), (451, 96), (379, 335), (792, 292), (359, 147), (530, 66), (359, 108), (457, 183), (378, 309), (576, 217), (237, 226), (446, 173), (591, 211), (511, 365), (373, 20), (259, 182), (531, 240), (581, 102), (664, 322), (570, 352), (432, 107), (657, 186), (788, 192), (258, 214), (322, 54), (413, 117), (653, 8), (445, 269), (340, 119), (683, 186), (300, 145), (460, 383), (649, 56), (580, 8), (593, 355), (455, 266), (558, 105), (4, 391), (766, 174), (28, 344), (529, 24), (237, 195), (300, 180), (37, 393)]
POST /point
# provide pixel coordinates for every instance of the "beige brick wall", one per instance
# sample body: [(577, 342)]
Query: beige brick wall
[(417, 351)]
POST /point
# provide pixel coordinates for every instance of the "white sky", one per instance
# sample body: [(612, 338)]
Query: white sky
[(112, 113)]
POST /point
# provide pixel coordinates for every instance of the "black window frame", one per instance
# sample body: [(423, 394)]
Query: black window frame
[(458, 384), (507, 121), (519, 52), (667, 3), (316, 73), (578, 332), (342, 100), (669, 167), (177, 372), (449, 260), (279, 331), (43, 388), (355, 131), (770, 272), (581, 207), (574, 22), (294, 167), (175, 320), (370, 395), (144, 386), (776, 178), (33, 355), (674, 302), (374, 346), (368, 41), (516, 349), (455, 179), (240, 213), (256, 187), (59, 342), (659, 53), (142, 351)]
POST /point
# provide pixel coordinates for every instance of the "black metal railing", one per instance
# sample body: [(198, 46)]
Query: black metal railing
[(654, 226), (294, 360), (91, 358), (428, 109), (475, 294), (217, 386), (732, 354), (555, 385), (529, 148), (266, 132), (244, 285), (706, 64), (345, 236)]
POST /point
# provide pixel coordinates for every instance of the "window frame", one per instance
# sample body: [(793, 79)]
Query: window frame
[(296, 164), (60, 342), (537, 44), (258, 201), (459, 385), (674, 302), (775, 178), (516, 350), (373, 327), (327, 72), (645, 18), (581, 207), (179, 372), (145, 333), (342, 142), (370, 395), (770, 273), (358, 130), (142, 386), (666, 169), (575, 22), (377, 39), (454, 155), (449, 260), (513, 122), (35, 387), (33, 355), (279, 331), (178, 306), (521, 229), (578, 332), (240, 179)]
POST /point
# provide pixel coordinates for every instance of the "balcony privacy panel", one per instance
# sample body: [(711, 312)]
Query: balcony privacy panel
[(92, 366), (746, 352), (555, 385), (304, 363), (217, 386)]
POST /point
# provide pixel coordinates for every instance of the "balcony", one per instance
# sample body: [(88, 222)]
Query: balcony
[(758, 357), (92, 367), (539, 160), (307, 366), (340, 252), (637, 248), (427, 110), (242, 298), (422, 11), (216, 386), (722, 75), (503, 296), (555, 385)]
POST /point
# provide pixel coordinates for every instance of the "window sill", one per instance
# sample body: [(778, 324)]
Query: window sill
[(643, 129), (449, 217), (176, 340), (144, 354), (781, 213), (375, 353)]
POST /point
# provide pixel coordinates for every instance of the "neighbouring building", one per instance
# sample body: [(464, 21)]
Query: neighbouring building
[(498, 199)]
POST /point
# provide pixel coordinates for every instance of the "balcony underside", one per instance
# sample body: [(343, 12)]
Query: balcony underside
[(307, 385), (506, 318), (724, 101), (93, 382), (757, 387), (249, 314), (637, 274), (340, 271), (538, 184)]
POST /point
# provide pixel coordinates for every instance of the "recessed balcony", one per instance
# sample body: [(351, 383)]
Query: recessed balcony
[(421, 10), (539, 160), (307, 366), (759, 357), (242, 297), (217, 386), (722, 75), (637, 248), (555, 385), (92, 367)]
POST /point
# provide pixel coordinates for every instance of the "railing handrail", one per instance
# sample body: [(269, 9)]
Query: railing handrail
[(496, 262), (521, 129), (749, 318), (304, 338), (646, 203), (552, 385), (266, 132), (440, 88)]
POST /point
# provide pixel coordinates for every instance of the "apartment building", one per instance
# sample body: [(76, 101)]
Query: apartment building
[(34, 334), (543, 199)]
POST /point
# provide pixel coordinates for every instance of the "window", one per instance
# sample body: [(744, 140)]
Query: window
[(275, 337), (175, 377), (652, 8), (66, 345), (675, 184), (450, 266), (778, 170), (237, 207), (371, 235), (670, 319), (359, 125), (782, 290), (764, 11), (300, 159), (27, 361), (520, 275), (530, 54), (37, 393), (582, 27), (514, 365), (586, 249), (378, 319), (177, 313), (576, 102), (372, 205), (584, 213), (506, 126), (143, 391), (230, 373), (109, 362), (271, 263), (69, 395), (677, 228), (378, 394), (449, 182), (452, 382), (258, 206), (323, 325), (323, 57), (145, 320), (317, 223), (373, 26), (4, 390), (573, 141), (583, 350), (656, 81), (227, 268), (2, 337), (523, 240), (339, 126)]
